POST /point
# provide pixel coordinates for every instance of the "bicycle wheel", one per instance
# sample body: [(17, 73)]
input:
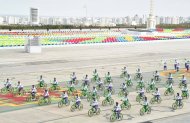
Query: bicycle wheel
[(149, 110), (113, 91), (111, 102), (90, 113), (122, 106), (49, 100), (112, 118), (68, 103), (40, 102), (89, 98), (138, 99), (166, 93), (105, 92), (28, 99), (120, 116), (142, 111), (120, 94), (160, 100), (187, 96), (98, 111), (172, 92), (73, 108), (4, 90), (104, 103), (181, 106), (128, 106), (174, 106), (60, 104), (80, 107)]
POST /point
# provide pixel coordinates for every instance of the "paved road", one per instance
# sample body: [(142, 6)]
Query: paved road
[(60, 62), (117, 82), (182, 118)]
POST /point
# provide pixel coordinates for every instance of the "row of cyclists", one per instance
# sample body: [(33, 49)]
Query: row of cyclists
[(177, 65), (95, 78), (118, 108), (94, 100), (100, 83)]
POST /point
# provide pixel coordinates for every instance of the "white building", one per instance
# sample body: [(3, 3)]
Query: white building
[(51, 21), (11, 20), (162, 20), (1, 20), (136, 19), (168, 20), (175, 20), (119, 20), (44, 20), (17, 20), (181, 20), (129, 20), (144, 19), (34, 16), (158, 20), (25, 20)]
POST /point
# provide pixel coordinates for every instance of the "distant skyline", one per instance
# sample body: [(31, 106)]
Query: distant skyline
[(96, 8)]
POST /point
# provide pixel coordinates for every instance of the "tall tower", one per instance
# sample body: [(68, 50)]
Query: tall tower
[(151, 21), (34, 16)]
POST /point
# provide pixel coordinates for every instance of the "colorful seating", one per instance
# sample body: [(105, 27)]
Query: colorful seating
[(9, 39)]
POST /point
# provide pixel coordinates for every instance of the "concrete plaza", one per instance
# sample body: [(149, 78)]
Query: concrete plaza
[(60, 62)]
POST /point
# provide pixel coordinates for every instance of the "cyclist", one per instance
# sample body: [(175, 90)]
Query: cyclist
[(100, 82), (41, 81), (139, 73), (184, 80), (46, 94), (156, 75), (95, 104), (178, 99), (117, 109), (73, 77), (86, 80), (157, 94), (64, 96), (33, 91), (165, 65), (19, 87), (8, 84), (78, 100)]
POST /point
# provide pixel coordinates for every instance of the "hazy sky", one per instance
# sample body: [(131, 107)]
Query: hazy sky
[(96, 8)]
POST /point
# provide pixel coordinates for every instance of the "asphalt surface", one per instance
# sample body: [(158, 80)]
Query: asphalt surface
[(182, 118), (61, 62)]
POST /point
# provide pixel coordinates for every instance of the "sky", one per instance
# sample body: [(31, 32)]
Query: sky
[(95, 8)]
